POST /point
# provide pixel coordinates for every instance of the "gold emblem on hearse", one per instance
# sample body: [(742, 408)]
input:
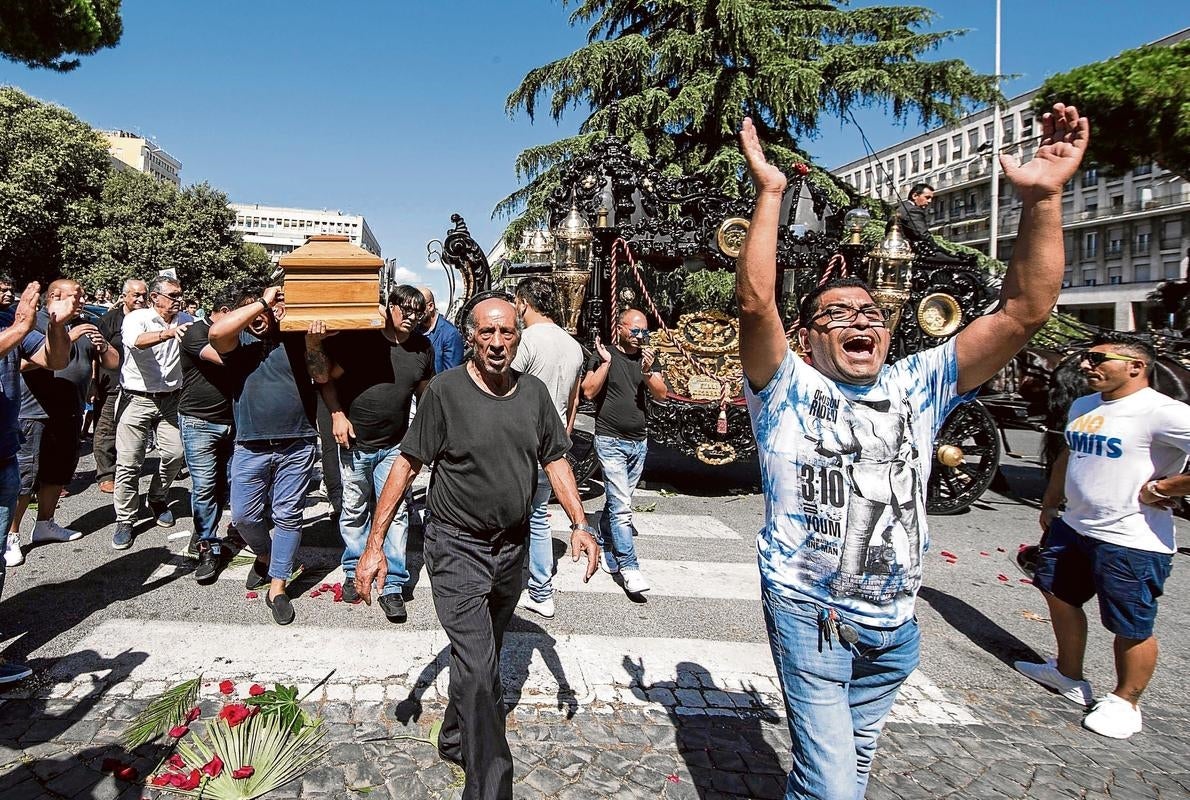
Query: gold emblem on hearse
[(939, 315), (730, 236)]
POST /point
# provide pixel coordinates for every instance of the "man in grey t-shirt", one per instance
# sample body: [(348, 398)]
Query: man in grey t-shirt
[(551, 354)]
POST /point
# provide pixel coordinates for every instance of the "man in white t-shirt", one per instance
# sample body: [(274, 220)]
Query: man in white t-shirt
[(551, 354), (845, 444), (150, 384), (1119, 476)]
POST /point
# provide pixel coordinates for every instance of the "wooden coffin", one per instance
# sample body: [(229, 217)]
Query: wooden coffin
[(330, 279)]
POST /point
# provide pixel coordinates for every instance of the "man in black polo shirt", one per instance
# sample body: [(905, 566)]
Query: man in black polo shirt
[(273, 404), (368, 380), (616, 380), (485, 427), (208, 434), (107, 385)]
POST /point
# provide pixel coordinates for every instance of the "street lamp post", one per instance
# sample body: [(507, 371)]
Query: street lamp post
[(994, 216)]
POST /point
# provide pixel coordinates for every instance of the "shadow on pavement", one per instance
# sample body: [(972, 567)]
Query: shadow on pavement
[(48, 610), (726, 755), (978, 627), (47, 732), (692, 477)]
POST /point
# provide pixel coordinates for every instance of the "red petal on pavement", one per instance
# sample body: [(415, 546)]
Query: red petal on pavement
[(673, 778), (326, 587), (256, 690), (213, 767), (176, 761), (178, 731), (948, 554), (227, 687), (235, 713), (982, 553), (1002, 577), (160, 780), (190, 782), (251, 595), (315, 593), (193, 714), (1026, 580), (127, 773), (243, 772)]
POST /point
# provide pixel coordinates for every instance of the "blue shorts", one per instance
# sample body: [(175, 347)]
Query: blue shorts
[(1075, 568)]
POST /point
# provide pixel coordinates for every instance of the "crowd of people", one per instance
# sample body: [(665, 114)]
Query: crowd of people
[(229, 396)]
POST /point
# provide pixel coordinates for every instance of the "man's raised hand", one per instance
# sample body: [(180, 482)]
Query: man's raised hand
[(765, 176), (62, 309), (1064, 139)]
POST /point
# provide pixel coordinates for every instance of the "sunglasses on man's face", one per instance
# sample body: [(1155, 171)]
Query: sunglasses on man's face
[(1096, 358), (637, 331)]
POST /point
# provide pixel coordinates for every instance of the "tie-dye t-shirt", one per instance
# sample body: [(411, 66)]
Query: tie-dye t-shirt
[(844, 470)]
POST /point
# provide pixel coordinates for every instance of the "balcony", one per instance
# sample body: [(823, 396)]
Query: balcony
[(1110, 212)]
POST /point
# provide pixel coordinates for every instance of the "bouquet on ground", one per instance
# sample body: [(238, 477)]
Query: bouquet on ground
[(252, 746)]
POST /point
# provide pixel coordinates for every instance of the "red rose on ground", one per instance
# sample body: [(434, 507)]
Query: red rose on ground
[(234, 714), (127, 773), (213, 767), (256, 690), (243, 772), (192, 781), (176, 761), (193, 714), (227, 687), (178, 731), (160, 780), (251, 595)]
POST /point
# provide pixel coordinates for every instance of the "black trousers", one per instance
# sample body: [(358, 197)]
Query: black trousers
[(476, 582), (104, 443)]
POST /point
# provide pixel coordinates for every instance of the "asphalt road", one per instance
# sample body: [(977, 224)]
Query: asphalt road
[(974, 623)]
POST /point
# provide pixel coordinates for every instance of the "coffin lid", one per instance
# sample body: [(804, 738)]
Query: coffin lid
[(330, 250)]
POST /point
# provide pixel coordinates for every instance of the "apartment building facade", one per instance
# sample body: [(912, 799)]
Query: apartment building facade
[(1124, 234), (280, 230), (129, 151)]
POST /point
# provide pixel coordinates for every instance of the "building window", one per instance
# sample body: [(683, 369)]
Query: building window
[(1090, 177), (915, 159), (1009, 129), (1091, 206), (956, 145), (1142, 243), (941, 153), (901, 166), (1143, 169), (1115, 248), (927, 161), (1172, 270), (1141, 273), (1026, 127), (1089, 279), (1091, 244), (973, 141), (1171, 234)]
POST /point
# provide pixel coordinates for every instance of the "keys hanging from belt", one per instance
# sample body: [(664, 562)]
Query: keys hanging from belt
[(830, 629)]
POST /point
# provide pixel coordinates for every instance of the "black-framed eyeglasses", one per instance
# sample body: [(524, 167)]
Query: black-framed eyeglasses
[(410, 312), (175, 296), (874, 314), (1096, 358)]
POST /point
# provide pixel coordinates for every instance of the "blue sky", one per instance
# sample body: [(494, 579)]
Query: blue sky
[(396, 109)]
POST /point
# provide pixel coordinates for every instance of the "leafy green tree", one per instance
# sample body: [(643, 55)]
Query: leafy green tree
[(684, 75), (50, 161), (1141, 103), (141, 226), (40, 33)]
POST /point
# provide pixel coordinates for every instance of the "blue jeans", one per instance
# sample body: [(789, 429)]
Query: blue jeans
[(623, 462), (837, 695), (207, 447), (272, 477), (10, 487), (541, 543), (364, 471)]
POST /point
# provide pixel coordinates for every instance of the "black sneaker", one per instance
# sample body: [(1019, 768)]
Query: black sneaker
[(162, 514), (393, 606), (192, 546), (257, 577), (282, 609), (11, 672), (122, 538), (350, 595), (209, 562)]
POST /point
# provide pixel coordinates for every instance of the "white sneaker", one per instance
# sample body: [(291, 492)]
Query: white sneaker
[(50, 531), (544, 607), (13, 557), (634, 581), (606, 565), (1113, 717), (1077, 692)]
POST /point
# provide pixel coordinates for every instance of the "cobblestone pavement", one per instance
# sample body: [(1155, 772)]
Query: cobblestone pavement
[(674, 739)]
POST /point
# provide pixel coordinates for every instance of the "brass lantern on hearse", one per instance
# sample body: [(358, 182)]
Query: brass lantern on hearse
[(572, 265), (889, 273)]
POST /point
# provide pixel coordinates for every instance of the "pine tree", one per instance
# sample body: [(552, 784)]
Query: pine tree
[(684, 73)]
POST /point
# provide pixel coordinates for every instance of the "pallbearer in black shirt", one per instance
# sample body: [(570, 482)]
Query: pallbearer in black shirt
[(485, 427), (208, 434), (368, 380)]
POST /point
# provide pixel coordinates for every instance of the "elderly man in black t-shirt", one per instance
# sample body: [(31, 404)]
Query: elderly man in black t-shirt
[(616, 380), (368, 380), (485, 427)]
